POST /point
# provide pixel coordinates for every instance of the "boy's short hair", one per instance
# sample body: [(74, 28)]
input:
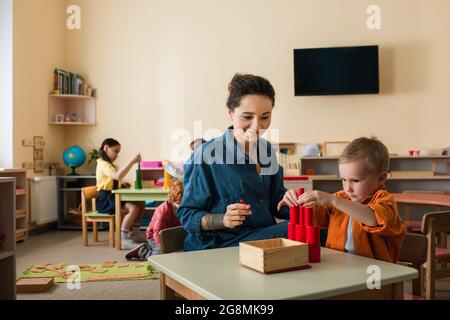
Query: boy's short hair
[(176, 192), (371, 150)]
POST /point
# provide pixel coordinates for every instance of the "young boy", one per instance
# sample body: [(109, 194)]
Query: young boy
[(363, 218)]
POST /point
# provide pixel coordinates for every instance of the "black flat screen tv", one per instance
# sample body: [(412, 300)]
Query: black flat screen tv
[(338, 70)]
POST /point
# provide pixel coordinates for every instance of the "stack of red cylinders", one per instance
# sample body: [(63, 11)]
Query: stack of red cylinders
[(300, 233)]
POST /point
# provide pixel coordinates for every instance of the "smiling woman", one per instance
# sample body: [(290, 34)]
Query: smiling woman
[(233, 183)]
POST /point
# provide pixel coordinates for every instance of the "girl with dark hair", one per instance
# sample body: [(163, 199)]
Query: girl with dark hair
[(231, 190), (108, 178)]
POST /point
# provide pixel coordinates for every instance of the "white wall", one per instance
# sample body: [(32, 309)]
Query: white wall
[(6, 78)]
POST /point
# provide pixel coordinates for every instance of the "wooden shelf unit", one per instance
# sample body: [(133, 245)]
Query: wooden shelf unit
[(83, 106), (8, 246), (21, 198), (326, 173)]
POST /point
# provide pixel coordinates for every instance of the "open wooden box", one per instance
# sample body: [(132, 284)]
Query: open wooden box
[(274, 255)]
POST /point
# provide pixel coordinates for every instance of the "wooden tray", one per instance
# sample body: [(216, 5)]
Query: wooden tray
[(274, 255)]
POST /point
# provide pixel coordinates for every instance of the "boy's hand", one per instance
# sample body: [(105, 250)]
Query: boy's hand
[(235, 215), (290, 199), (316, 198)]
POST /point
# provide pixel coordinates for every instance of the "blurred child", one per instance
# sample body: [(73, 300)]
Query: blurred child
[(163, 218), (363, 218), (176, 170), (108, 178)]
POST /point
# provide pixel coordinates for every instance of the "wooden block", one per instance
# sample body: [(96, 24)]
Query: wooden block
[(108, 264), (99, 270), (41, 266), (274, 255), (121, 265), (37, 270), (31, 285)]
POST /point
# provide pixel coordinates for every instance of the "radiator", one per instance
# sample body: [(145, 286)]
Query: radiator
[(44, 199)]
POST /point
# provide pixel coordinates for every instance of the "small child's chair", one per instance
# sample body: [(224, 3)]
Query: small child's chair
[(91, 193), (414, 254), (438, 255), (172, 239)]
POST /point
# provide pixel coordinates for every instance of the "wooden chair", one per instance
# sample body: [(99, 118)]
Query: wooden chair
[(172, 239), (434, 224), (414, 254), (90, 193), (416, 225)]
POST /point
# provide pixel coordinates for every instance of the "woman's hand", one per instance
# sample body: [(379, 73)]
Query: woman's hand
[(316, 198), (236, 214), (290, 199)]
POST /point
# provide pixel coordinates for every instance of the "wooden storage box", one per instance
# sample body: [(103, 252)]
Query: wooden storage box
[(274, 255)]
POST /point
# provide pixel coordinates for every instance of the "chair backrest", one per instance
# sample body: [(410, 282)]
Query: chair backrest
[(172, 239), (88, 193), (438, 221), (414, 249)]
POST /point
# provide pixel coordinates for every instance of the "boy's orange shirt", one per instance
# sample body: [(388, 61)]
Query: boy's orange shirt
[(382, 242)]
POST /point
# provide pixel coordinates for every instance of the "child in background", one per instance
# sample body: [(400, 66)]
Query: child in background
[(163, 218), (108, 178), (363, 218), (175, 170)]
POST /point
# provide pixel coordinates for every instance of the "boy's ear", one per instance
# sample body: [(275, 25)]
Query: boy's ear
[(382, 178)]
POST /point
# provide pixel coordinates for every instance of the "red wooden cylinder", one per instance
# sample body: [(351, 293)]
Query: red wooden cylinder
[(300, 233), (312, 235), (314, 253), (291, 231), (293, 213), (301, 215), (307, 213)]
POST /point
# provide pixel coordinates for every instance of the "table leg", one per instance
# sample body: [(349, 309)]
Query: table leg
[(166, 292), (118, 224)]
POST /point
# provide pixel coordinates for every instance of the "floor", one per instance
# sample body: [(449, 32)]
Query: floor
[(65, 246)]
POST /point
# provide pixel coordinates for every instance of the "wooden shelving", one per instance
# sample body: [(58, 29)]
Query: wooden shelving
[(21, 200), (410, 173), (80, 109), (8, 246)]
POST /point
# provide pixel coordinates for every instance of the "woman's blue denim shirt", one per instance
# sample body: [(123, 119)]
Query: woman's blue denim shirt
[(218, 174)]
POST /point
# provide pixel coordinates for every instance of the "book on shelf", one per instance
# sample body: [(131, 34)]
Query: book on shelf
[(65, 82)]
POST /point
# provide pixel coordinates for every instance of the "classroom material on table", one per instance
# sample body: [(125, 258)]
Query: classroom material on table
[(339, 275), (301, 229), (274, 255), (138, 183), (34, 285), (108, 270)]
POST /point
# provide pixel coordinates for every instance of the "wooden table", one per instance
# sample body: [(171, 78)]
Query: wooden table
[(156, 194), (217, 274), (423, 198)]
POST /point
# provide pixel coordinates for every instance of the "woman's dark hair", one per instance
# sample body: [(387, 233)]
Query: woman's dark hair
[(110, 142), (244, 84)]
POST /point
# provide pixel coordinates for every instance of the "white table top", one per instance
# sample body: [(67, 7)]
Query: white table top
[(217, 274)]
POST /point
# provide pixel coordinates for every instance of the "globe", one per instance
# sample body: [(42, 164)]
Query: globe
[(74, 157)]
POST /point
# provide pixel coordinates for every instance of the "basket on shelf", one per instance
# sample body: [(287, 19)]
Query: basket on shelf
[(75, 214)]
